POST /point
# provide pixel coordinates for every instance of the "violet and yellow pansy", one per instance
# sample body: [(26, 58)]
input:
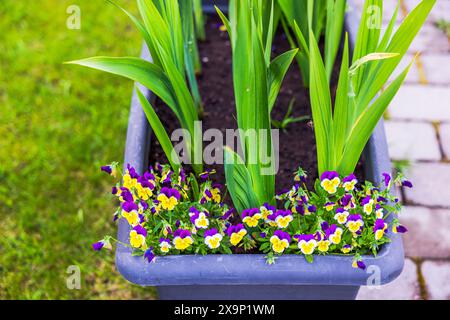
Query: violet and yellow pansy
[(280, 241), (164, 245), (236, 233), (330, 181), (379, 228), (130, 213), (307, 243), (168, 198), (251, 217), (137, 237), (182, 239), (367, 204), (340, 215), (334, 234), (199, 218), (349, 182), (355, 223), (213, 238)]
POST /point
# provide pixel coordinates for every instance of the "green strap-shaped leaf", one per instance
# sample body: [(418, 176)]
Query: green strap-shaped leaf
[(199, 20), (400, 42), (277, 71), (140, 26), (321, 107), (388, 33), (333, 32), (159, 131), (342, 112), (136, 69), (365, 124), (368, 36), (238, 181), (191, 54)]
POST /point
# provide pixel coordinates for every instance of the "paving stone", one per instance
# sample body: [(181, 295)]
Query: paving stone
[(436, 68), (444, 131), (412, 141), (428, 233), (413, 74), (437, 279), (405, 287), (431, 184), (441, 9), (430, 40), (388, 9), (419, 102)]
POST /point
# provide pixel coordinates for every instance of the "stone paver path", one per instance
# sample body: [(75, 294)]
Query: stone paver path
[(418, 130)]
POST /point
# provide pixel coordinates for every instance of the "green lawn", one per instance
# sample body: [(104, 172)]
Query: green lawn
[(58, 124)]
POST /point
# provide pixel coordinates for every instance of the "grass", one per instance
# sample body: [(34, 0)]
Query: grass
[(58, 124)]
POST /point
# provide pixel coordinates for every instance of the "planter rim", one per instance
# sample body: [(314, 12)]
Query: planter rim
[(242, 269)]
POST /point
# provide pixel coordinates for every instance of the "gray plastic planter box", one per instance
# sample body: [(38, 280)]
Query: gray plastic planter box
[(248, 276)]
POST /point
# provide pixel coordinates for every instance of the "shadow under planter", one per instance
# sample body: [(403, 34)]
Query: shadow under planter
[(247, 276)]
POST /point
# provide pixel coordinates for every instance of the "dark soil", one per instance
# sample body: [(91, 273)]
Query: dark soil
[(297, 143)]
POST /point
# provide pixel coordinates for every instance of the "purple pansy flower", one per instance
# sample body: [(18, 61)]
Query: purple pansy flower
[(334, 234), (355, 223), (307, 243), (132, 172), (251, 217), (387, 179), (228, 214), (107, 169), (97, 246), (399, 229), (149, 255), (341, 215), (182, 233), (212, 238), (346, 248), (359, 264), (199, 219), (205, 175), (347, 201), (280, 241), (182, 239), (330, 181), (164, 245), (168, 197), (407, 184), (281, 218), (236, 233), (137, 236), (329, 206), (367, 204), (379, 228), (349, 182), (126, 195)]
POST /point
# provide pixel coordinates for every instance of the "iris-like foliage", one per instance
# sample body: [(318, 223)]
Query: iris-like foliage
[(167, 30), (321, 16), (199, 20), (257, 81), (343, 131)]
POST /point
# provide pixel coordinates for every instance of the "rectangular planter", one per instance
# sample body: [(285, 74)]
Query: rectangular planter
[(247, 276)]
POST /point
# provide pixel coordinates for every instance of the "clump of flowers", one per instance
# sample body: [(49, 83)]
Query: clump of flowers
[(175, 213)]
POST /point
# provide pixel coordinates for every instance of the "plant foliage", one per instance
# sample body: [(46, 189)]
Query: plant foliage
[(342, 131), (168, 32), (257, 81)]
